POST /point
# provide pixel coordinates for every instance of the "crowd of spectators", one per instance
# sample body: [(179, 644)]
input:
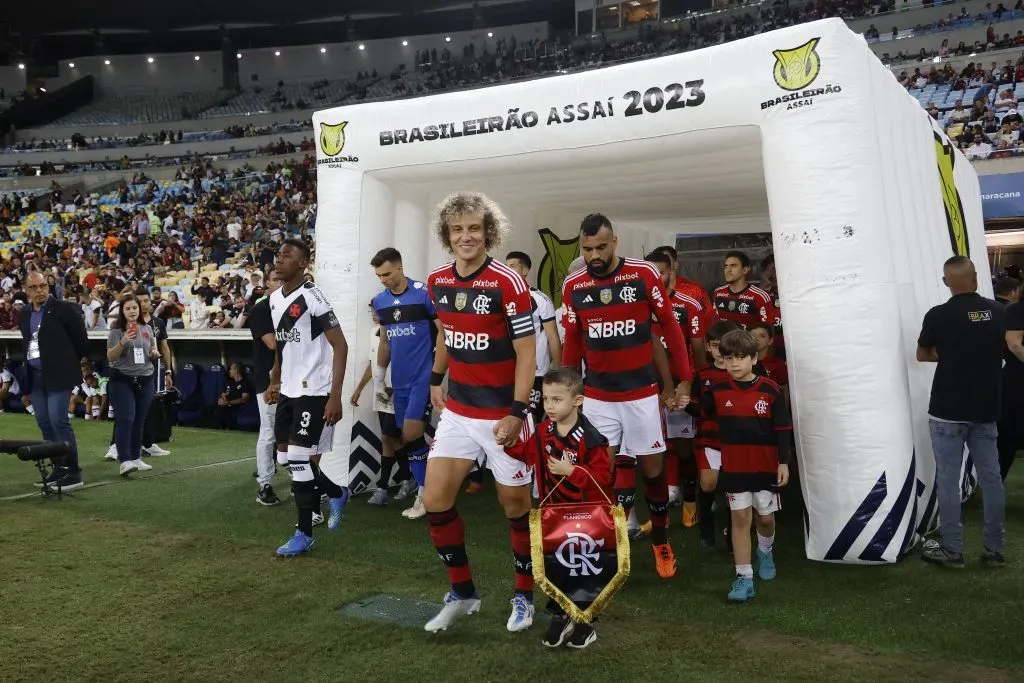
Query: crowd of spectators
[(95, 252), (509, 60), (77, 141)]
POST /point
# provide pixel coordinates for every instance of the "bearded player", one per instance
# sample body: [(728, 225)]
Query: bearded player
[(609, 309), (486, 344)]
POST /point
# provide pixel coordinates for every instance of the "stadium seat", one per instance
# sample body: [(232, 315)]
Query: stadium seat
[(187, 380)]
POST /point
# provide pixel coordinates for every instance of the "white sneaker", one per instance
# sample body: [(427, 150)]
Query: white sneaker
[(156, 450), (454, 607), (522, 615), (417, 511), (111, 453), (318, 519), (142, 466), (128, 466)]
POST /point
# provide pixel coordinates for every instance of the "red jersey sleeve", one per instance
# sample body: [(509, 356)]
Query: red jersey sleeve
[(524, 450), (572, 345), (598, 463), (705, 318), (675, 342), (769, 313), (518, 303)]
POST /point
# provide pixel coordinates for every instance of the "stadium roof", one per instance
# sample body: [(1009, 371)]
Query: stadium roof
[(67, 16)]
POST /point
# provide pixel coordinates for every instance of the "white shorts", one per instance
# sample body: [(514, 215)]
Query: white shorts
[(632, 426), (678, 424), (469, 438), (708, 459), (763, 502)]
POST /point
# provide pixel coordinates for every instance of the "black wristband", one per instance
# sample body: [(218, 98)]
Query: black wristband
[(436, 378), (519, 409)]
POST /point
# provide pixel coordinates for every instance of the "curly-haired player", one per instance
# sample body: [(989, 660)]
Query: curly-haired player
[(486, 345)]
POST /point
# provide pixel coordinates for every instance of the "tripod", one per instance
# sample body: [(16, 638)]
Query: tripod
[(44, 456)]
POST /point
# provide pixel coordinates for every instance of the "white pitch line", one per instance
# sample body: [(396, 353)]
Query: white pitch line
[(37, 494)]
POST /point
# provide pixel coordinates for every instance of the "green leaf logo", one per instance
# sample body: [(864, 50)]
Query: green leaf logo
[(332, 138), (558, 254)]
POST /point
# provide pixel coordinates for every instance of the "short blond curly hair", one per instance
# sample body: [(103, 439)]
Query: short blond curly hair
[(496, 223)]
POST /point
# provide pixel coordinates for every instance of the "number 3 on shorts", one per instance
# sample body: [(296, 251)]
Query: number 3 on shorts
[(306, 417)]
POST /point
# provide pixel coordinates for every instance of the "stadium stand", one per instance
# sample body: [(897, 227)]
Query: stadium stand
[(120, 110), (509, 60)]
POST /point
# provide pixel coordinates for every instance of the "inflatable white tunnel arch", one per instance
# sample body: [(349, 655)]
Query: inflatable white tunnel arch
[(800, 131)]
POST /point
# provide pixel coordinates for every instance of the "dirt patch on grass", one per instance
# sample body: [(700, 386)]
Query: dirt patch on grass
[(866, 665)]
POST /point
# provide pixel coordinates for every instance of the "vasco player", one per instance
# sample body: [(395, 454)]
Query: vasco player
[(694, 319), (738, 300), (406, 316), (309, 367), (486, 343), (609, 309)]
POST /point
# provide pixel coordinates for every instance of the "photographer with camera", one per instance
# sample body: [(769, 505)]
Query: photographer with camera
[(55, 342)]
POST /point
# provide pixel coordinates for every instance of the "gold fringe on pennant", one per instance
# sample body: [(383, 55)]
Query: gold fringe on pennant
[(606, 594)]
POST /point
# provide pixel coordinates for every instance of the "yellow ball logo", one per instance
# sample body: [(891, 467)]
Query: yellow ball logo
[(796, 68), (332, 138)]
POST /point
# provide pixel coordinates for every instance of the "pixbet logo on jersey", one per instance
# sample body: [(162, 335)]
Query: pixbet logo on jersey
[(469, 341), (407, 331), (611, 328)]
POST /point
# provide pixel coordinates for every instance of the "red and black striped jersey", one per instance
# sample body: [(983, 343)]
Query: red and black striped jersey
[(481, 315), (693, 317), (707, 425), (745, 307), (608, 325), (585, 446), (753, 430), (780, 342), (775, 368), (691, 297)]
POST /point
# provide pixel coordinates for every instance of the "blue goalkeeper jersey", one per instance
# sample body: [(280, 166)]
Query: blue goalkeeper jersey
[(406, 318)]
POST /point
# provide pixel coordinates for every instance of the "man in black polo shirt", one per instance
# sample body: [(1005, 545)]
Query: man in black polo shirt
[(1011, 415), (965, 337), (264, 344)]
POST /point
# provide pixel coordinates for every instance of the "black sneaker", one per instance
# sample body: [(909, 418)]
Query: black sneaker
[(938, 555), (707, 541), (991, 558), (558, 631), (55, 476), (582, 635), (266, 496), (63, 477)]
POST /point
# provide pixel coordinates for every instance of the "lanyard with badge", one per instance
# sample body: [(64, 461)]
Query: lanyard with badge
[(139, 354), (33, 346)]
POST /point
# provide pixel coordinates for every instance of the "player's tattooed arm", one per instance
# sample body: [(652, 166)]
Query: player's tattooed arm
[(661, 364)]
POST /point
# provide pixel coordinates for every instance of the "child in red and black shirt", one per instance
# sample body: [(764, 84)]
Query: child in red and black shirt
[(754, 434), (707, 449), (566, 448)]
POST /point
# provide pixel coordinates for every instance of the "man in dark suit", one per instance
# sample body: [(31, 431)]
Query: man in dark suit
[(55, 343)]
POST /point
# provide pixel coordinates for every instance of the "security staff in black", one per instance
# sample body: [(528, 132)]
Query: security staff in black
[(55, 343)]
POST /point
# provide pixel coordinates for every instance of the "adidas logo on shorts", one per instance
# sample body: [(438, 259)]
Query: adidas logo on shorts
[(728, 404)]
